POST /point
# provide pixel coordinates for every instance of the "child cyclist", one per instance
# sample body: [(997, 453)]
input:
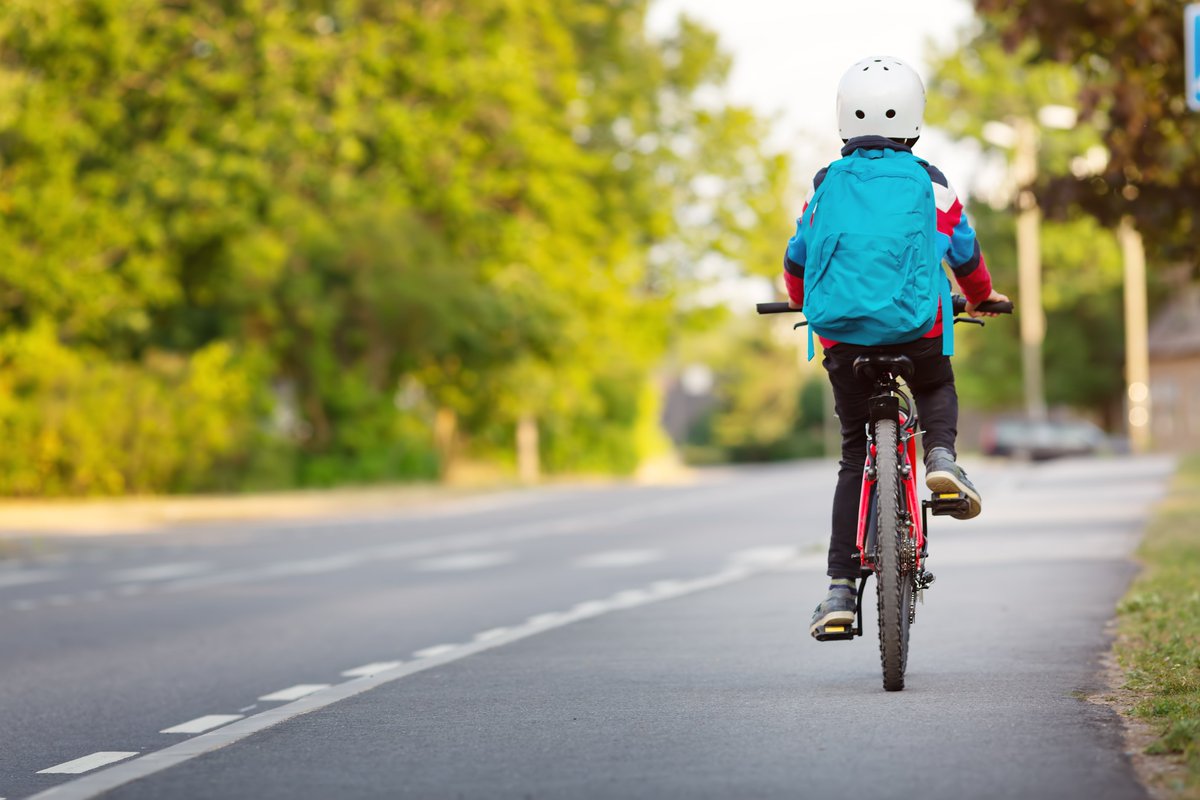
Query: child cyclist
[(876, 283)]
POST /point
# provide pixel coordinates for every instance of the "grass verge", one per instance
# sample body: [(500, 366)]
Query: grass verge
[(1158, 646)]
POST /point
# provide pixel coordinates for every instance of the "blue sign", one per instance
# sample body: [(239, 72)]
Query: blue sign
[(1191, 37)]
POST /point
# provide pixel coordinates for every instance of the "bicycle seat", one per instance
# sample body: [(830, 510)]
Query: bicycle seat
[(873, 365)]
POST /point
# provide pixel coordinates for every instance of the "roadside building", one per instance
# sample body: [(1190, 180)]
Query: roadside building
[(1175, 374)]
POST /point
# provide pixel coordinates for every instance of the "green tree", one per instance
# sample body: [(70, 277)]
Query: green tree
[(380, 215), (1129, 60), (980, 82)]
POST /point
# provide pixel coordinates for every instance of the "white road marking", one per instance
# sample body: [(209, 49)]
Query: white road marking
[(294, 692), (202, 724), (607, 519), (435, 651), (250, 707), (95, 785), (370, 669), (630, 596), (589, 608), (769, 555), (26, 577), (611, 559), (491, 633), (159, 572), (88, 763), (312, 566), (463, 562)]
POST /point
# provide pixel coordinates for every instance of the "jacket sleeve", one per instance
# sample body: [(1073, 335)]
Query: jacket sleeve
[(960, 244), (797, 251), (793, 264)]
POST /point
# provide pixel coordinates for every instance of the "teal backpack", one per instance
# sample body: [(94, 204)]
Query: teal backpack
[(872, 275)]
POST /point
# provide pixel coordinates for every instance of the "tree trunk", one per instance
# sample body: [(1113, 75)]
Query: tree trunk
[(528, 462)]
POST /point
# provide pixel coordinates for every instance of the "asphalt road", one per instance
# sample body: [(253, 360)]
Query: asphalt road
[(582, 642)]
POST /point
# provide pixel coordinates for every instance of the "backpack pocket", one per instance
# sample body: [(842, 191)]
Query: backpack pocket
[(869, 289)]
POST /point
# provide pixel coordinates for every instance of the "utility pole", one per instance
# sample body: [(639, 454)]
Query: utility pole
[(1029, 267), (1137, 345)]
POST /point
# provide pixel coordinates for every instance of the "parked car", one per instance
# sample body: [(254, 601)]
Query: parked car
[(1038, 441)]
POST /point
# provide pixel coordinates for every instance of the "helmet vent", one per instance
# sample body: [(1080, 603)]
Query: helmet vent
[(860, 114), (891, 113)]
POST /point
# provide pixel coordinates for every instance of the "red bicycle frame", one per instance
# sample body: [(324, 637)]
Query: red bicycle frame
[(907, 458)]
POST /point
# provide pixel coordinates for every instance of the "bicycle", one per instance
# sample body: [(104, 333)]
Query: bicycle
[(889, 501)]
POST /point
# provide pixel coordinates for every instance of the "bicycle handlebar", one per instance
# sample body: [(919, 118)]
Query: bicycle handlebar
[(1000, 307), (958, 301), (775, 308)]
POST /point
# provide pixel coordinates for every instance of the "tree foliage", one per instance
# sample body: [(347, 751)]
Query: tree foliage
[(1127, 56), (287, 236), (1012, 66)]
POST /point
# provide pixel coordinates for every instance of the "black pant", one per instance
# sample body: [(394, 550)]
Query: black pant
[(932, 386)]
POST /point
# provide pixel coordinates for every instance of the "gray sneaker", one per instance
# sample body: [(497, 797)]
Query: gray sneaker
[(836, 613), (943, 476)]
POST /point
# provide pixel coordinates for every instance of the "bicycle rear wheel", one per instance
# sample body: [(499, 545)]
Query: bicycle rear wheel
[(893, 586)]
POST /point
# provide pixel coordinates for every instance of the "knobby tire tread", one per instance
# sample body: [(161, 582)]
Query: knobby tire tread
[(889, 580)]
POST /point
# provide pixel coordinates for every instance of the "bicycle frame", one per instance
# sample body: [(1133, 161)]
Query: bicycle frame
[(896, 562), (907, 457)]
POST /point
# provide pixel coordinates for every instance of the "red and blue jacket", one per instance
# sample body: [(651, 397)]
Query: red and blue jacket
[(955, 242)]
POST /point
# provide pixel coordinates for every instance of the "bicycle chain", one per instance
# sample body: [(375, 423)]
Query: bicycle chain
[(908, 554)]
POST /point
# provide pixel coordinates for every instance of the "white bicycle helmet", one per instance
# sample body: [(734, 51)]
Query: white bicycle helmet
[(881, 96)]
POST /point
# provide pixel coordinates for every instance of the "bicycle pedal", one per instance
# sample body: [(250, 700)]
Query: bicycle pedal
[(832, 633), (948, 504)]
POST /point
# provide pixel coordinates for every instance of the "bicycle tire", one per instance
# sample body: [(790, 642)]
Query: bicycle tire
[(893, 586)]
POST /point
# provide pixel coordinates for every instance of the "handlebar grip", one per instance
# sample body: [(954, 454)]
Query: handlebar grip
[(775, 308), (996, 307), (991, 307)]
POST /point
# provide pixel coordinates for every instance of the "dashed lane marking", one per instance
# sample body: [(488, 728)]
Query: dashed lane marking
[(612, 559), (294, 692), (463, 562), (608, 519), (95, 785), (202, 724), (768, 555), (160, 572), (435, 651), (491, 633), (370, 669), (88, 763), (26, 577)]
